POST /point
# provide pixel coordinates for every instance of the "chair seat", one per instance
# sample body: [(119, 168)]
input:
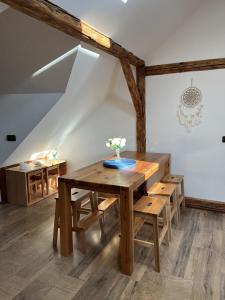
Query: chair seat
[(87, 221), (162, 189), (78, 194), (170, 178), (107, 203), (147, 205)]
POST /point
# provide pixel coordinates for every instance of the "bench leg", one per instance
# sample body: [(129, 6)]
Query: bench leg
[(178, 203), (156, 243), (117, 209), (166, 223), (168, 212), (182, 193), (177, 206), (101, 223)]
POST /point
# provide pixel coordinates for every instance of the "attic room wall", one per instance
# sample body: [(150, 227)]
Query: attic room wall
[(26, 46), (199, 155), (19, 114), (96, 105)]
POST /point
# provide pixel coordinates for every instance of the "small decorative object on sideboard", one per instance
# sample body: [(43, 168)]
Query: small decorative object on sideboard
[(53, 155), (118, 162)]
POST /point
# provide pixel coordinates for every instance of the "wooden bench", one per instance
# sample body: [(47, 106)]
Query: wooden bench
[(152, 211), (167, 192), (89, 204), (179, 181)]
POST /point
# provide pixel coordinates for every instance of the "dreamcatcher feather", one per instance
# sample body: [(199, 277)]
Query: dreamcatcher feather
[(190, 108)]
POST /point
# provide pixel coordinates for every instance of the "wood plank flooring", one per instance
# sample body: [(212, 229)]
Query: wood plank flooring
[(193, 266)]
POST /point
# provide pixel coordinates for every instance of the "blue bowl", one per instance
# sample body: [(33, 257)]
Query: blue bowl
[(123, 163)]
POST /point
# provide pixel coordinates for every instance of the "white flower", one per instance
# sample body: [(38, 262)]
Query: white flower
[(123, 142), (116, 143)]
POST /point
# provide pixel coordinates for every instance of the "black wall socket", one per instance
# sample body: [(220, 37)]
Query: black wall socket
[(11, 137)]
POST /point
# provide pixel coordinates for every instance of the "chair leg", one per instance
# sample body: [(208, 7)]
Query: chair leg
[(30, 192), (42, 185), (117, 209), (56, 225), (178, 203), (166, 223), (168, 211), (175, 204), (76, 214), (81, 241), (93, 201), (156, 243), (182, 193), (101, 223), (47, 185)]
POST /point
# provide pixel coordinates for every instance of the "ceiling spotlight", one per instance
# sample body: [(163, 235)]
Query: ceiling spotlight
[(124, 1)]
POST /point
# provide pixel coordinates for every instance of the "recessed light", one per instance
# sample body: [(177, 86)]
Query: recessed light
[(124, 1)]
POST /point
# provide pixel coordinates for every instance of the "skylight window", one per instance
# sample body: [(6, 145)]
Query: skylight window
[(62, 57)]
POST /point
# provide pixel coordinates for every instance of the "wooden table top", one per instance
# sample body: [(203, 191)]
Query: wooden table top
[(96, 176), (32, 167)]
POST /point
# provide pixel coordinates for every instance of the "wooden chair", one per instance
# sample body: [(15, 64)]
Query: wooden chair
[(52, 174), (106, 202), (179, 181), (79, 200), (35, 179), (152, 211), (169, 193)]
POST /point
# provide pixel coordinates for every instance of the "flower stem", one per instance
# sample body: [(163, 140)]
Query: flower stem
[(118, 153)]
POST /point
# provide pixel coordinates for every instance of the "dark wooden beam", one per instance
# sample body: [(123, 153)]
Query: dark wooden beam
[(189, 66), (137, 92), (141, 122), (131, 83), (56, 17)]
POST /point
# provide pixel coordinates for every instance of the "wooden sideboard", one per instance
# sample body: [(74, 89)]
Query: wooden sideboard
[(17, 182)]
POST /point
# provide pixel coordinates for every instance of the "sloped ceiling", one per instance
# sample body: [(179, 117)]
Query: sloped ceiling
[(139, 25), (28, 45), (3, 7)]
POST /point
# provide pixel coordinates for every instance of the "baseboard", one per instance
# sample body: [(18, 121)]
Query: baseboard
[(215, 206)]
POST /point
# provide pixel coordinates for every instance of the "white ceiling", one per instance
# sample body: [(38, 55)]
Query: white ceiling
[(139, 25), (3, 7)]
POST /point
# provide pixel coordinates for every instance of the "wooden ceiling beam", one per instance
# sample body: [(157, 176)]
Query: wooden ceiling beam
[(141, 121), (131, 83), (137, 92), (60, 19), (189, 66)]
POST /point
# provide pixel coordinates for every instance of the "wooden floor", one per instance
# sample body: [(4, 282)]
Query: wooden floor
[(193, 267)]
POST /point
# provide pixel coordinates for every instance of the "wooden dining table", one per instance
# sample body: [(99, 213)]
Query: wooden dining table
[(149, 168)]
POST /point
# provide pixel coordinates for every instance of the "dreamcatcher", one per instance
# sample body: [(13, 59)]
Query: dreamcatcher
[(189, 111)]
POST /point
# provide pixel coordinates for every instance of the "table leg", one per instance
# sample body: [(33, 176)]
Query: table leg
[(127, 240), (66, 238)]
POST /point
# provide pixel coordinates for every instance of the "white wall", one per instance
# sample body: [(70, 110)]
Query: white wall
[(86, 115), (200, 155), (19, 114)]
